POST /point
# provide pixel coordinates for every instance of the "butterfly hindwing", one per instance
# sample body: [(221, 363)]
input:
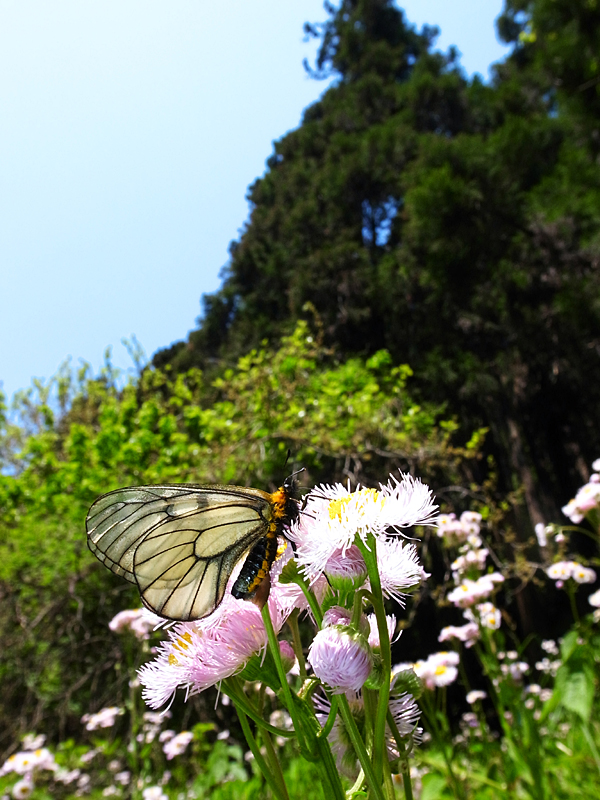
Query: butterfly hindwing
[(179, 544)]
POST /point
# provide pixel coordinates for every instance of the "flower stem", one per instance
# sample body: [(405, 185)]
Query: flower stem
[(232, 689), (278, 790), (285, 689), (369, 553), (359, 748), (297, 642)]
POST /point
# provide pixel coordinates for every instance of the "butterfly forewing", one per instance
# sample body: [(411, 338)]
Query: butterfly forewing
[(179, 544)]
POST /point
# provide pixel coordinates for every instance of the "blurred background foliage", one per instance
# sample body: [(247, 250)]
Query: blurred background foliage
[(417, 287)]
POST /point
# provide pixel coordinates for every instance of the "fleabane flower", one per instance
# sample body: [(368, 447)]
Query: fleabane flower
[(468, 634), (470, 592), (586, 499), (25, 761), (341, 658), (399, 568), (563, 570), (139, 621), (346, 570), (594, 599), (475, 695), (203, 653), (439, 669), (177, 745), (105, 718), (489, 616), (22, 788), (154, 793), (405, 713), (374, 640), (333, 517)]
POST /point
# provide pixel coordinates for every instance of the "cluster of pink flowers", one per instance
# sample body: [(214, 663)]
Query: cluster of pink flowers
[(470, 592), (587, 497), (105, 718), (28, 763), (561, 571), (457, 531)]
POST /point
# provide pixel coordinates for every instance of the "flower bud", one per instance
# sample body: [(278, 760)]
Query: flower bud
[(341, 658)]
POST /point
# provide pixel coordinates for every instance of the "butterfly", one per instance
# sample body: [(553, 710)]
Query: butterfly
[(180, 543)]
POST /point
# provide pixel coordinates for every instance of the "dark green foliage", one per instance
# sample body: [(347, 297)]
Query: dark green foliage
[(453, 223)]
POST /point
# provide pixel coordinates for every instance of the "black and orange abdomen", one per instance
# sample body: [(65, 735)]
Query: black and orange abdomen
[(284, 509)]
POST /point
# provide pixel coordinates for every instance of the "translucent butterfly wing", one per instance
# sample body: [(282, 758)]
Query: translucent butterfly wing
[(179, 544)]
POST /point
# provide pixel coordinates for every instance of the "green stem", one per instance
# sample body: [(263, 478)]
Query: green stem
[(431, 716), (369, 553), (255, 750), (401, 745), (231, 688), (591, 744), (297, 642), (274, 762), (326, 730), (285, 688), (312, 600), (574, 611), (359, 747), (327, 761)]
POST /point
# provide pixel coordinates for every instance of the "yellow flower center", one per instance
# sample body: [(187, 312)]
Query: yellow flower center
[(337, 506), (181, 644)]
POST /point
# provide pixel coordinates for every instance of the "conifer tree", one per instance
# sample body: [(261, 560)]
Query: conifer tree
[(455, 223)]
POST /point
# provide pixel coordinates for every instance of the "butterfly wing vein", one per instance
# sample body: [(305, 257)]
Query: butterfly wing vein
[(179, 545)]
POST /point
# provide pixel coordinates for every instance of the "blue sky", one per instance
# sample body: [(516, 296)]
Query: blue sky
[(130, 131)]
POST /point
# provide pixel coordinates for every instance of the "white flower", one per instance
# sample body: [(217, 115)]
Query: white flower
[(105, 718), (587, 498), (22, 789), (333, 517), (33, 742), (540, 532), (438, 670), (139, 621), (581, 574), (475, 695), (399, 568), (594, 599), (468, 633), (374, 630), (469, 592), (489, 615), (154, 793), (176, 746)]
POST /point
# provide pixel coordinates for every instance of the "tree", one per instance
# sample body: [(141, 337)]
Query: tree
[(454, 223)]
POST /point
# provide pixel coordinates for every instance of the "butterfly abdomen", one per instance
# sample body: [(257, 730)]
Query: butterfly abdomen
[(256, 567), (263, 554)]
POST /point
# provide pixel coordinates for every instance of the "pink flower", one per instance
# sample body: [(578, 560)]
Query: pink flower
[(468, 633), (470, 592), (201, 654), (374, 630), (346, 570), (399, 568), (139, 621), (341, 658), (105, 718), (177, 744)]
